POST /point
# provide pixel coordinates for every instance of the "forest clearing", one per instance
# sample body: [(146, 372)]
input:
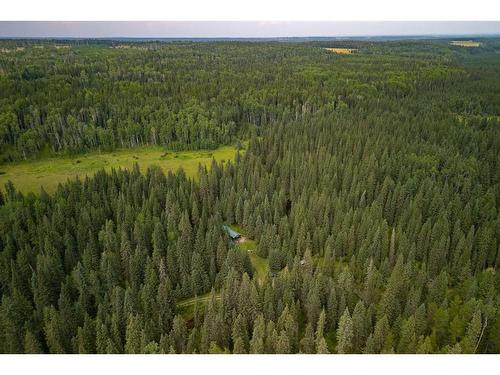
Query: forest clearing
[(31, 175), (260, 268)]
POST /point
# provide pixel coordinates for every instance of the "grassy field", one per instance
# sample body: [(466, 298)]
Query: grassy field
[(465, 43), (342, 51), (260, 265), (29, 176)]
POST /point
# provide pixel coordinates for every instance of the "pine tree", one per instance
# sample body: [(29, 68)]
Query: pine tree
[(258, 336), (408, 339), (85, 340), (178, 334), (473, 334), (380, 341), (283, 344), (345, 334), (32, 344), (359, 321), (133, 335), (321, 346), (240, 334), (307, 344)]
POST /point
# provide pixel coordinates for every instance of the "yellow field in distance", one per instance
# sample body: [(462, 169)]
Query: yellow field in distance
[(342, 51), (465, 43)]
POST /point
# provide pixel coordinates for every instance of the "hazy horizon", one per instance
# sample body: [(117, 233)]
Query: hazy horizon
[(242, 29)]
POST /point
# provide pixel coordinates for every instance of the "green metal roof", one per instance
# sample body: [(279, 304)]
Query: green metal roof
[(232, 233)]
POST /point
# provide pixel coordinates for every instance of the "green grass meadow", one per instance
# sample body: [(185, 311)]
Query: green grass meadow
[(30, 176), (260, 265)]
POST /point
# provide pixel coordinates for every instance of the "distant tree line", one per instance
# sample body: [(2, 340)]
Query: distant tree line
[(70, 97)]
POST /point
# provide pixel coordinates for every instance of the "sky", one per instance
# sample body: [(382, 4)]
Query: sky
[(239, 29)]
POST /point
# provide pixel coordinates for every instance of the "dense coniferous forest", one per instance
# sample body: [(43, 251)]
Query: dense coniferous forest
[(368, 198)]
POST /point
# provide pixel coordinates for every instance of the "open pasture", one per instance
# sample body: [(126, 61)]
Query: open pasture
[(30, 176)]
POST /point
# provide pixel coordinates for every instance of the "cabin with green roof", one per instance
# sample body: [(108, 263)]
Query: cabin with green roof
[(231, 232)]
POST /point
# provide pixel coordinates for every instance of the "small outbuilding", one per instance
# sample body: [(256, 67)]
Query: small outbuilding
[(231, 233)]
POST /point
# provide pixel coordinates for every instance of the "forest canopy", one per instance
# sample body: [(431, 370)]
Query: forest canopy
[(367, 199)]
